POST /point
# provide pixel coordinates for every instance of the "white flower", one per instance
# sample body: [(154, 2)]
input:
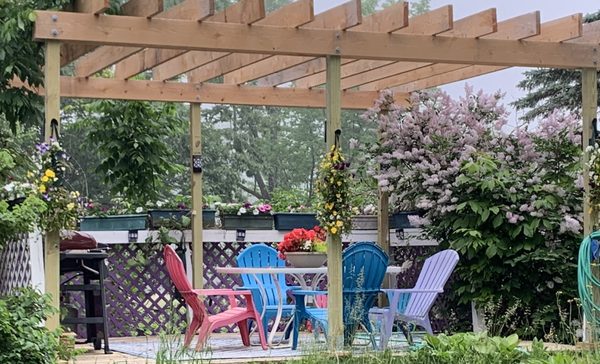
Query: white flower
[(242, 210), (255, 212), (139, 210), (159, 203)]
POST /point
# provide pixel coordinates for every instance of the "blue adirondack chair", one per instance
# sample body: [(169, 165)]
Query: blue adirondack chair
[(412, 305), (363, 269), (261, 256)]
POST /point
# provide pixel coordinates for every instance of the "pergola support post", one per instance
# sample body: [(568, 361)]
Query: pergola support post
[(196, 216), (383, 228), (52, 238), (335, 336), (589, 106)]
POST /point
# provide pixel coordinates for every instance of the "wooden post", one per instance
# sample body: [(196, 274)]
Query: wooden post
[(589, 106), (335, 336), (52, 238), (196, 154), (383, 230)]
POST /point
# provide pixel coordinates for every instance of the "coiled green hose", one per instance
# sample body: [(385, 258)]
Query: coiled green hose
[(586, 281)]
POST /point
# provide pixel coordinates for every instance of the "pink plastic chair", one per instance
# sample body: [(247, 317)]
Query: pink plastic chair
[(203, 323)]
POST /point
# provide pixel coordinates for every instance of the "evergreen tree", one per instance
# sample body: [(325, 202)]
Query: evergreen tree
[(550, 88)]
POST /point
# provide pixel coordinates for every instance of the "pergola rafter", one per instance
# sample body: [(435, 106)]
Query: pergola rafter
[(243, 55)]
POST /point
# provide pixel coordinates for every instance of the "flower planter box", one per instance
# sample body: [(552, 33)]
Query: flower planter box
[(247, 222), (113, 222), (364, 222), (400, 220), (290, 221), (162, 217), (306, 259)]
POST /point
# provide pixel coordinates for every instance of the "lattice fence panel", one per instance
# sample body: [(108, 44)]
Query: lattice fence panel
[(141, 299), (15, 267)]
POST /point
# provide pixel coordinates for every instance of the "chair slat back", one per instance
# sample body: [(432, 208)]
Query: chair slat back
[(434, 275), (178, 276), (363, 270), (261, 256)]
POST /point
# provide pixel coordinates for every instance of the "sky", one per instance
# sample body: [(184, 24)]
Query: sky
[(503, 80)]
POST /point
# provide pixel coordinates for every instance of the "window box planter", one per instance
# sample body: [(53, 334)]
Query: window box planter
[(114, 222), (290, 221), (247, 222), (399, 220), (364, 222), (161, 217)]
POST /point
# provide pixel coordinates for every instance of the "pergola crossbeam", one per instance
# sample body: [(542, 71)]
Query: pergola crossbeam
[(243, 12), (104, 57), (340, 17), (181, 34), (139, 90), (559, 30), (430, 23)]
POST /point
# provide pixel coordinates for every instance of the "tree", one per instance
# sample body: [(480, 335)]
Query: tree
[(551, 88), (22, 57)]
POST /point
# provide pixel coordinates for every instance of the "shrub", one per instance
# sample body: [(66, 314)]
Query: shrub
[(23, 338), (509, 203)]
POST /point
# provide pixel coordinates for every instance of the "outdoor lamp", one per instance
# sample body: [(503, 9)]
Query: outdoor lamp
[(132, 236), (400, 234), (240, 235)]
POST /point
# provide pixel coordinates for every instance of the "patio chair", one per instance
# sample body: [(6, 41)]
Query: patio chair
[(261, 256), (412, 305), (363, 269), (203, 323)]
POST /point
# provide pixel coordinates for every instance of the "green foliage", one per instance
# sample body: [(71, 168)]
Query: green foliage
[(549, 89), (23, 338), (283, 200), (22, 57), (131, 138)]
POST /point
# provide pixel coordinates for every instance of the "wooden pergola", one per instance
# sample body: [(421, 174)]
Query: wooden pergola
[(292, 58)]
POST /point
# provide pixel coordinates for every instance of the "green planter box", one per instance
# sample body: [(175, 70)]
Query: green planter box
[(161, 217), (399, 220), (247, 222), (114, 222), (290, 221)]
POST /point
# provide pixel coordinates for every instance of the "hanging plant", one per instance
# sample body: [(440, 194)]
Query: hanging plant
[(333, 190)]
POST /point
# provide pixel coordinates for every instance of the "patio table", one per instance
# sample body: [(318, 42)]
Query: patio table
[(298, 273)]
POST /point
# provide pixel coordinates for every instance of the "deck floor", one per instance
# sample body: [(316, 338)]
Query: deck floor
[(222, 348)]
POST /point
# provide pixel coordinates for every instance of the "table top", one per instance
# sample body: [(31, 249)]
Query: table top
[(290, 270)]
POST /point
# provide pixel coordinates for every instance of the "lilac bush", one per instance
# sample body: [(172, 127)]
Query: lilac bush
[(508, 201)]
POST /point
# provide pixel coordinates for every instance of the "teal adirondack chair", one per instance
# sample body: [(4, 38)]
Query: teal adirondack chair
[(261, 256), (363, 268)]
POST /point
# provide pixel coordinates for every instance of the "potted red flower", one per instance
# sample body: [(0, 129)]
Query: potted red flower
[(304, 247)]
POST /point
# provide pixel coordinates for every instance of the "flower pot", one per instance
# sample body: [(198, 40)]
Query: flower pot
[(113, 222), (364, 222), (247, 222), (161, 217), (290, 221), (399, 220), (306, 259)]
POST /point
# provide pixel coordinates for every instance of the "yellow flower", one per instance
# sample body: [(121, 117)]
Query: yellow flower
[(339, 183), (339, 223), (70, 206), (333, 230), (29, 174), (44, 178), (42, 188), (50, 173)]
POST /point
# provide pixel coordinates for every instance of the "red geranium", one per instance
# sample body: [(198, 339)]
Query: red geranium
[(302, 240)]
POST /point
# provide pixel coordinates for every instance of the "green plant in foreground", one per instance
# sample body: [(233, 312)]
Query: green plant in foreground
[(23, 338)]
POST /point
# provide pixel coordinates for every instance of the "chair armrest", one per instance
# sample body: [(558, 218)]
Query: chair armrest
[(307, 292), (221, 292), (412, 290), (294, 288)]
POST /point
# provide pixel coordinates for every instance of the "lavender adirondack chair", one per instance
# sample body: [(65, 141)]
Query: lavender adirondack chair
[(412, 305)]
